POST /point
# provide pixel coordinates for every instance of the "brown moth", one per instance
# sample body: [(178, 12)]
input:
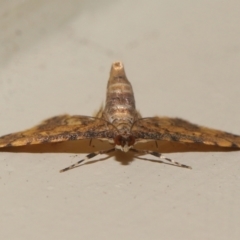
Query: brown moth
[(120, 124)]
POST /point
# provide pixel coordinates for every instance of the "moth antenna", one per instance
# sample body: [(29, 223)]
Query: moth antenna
[(89, 156), (159, 155)]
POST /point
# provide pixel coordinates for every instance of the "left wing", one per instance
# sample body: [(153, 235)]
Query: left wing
[(61, 128), (178, 130)]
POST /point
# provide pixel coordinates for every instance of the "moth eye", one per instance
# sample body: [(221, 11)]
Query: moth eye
[(118, 140), (131, 140)]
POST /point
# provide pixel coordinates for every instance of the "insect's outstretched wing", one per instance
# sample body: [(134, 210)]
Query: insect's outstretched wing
[(59, 129), (178, 130)]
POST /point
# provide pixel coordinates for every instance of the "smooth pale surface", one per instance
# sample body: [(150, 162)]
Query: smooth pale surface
[(182, 58)]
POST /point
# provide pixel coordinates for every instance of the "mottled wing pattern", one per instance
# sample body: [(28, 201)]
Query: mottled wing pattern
[(175, 129), (59, 129)]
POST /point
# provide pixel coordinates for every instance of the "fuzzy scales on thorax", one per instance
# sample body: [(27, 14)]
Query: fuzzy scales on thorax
[(120, 103)]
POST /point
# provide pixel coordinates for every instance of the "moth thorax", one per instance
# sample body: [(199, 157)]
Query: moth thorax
[(122, 126), (124, 143)]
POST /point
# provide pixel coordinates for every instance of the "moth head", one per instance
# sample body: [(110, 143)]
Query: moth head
[(124, 143)]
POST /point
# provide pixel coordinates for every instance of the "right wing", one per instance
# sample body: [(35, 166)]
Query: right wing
[(179, 130)]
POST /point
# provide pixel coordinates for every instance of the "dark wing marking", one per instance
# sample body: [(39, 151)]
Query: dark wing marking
[(175, 129), (59, 129)]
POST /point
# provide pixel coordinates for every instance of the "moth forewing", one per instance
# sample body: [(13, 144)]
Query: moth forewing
[(59, 129), (179, 130)]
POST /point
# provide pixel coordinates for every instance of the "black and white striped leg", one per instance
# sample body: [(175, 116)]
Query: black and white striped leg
[(159, 155), (89, 156)]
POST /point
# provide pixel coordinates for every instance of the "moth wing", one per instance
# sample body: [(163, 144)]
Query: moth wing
[(59, 129), (175, 129)]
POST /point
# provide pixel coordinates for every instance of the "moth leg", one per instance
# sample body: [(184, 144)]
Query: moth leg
[(89, 156), (159, 155)]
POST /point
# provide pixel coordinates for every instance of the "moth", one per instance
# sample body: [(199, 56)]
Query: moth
[(121, 125)]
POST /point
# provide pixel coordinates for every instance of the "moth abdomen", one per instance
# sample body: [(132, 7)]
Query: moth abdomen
[(120, 103)]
